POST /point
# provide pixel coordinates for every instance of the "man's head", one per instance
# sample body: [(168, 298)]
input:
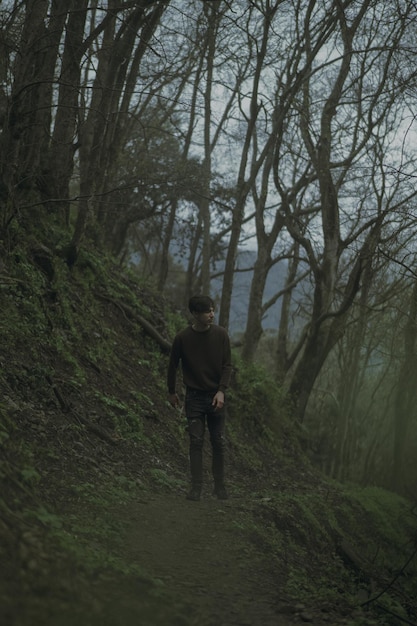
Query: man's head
[(200, 304)]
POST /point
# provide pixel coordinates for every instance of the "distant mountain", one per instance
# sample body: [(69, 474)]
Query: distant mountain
[(241, 291)]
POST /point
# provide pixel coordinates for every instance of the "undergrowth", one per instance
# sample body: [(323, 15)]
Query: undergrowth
[(85, 426)]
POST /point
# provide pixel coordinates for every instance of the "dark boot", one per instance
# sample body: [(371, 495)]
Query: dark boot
[(194, 493), (218, 467), (196, 467), (196, 464), (220, 491)]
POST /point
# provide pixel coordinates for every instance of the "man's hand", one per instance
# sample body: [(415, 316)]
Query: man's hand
[(218, 400), (174, 400)]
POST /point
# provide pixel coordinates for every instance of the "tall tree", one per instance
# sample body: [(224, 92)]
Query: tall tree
[(105, 128), (336, 136), (25, 135), (405, 399), (259, 24)]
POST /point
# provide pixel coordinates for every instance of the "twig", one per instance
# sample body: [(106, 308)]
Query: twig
[(402, 619), (390, 584)]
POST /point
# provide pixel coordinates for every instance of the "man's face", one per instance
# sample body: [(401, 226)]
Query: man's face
[(205, 318)]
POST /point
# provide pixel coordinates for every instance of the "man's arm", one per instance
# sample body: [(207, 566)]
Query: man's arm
[(218, 400), (226, 365)]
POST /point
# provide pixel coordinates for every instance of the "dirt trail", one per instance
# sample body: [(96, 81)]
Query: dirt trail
[(199, 553)]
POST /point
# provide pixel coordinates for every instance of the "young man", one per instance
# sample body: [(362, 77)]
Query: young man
[(204, 351)]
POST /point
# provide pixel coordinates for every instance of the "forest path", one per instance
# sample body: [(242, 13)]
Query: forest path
[(200, 553)]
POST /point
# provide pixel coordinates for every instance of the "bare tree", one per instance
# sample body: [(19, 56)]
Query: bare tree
[(350, 119), (105, 128), (257, 44), (28, 109), (46, 120)]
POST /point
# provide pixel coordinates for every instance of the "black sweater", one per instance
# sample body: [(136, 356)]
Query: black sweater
[(205, 359)]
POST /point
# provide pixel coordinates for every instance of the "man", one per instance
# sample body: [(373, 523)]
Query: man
[(204, 351)]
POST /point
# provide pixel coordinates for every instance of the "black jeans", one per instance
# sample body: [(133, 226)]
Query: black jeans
[(198, 409)]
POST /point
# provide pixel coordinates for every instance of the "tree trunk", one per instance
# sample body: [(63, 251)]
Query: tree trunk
[(63, 145), (105, 129), (323, 333), (191, 279), (23, 135), (253, 331), (406, 398), (244, 184), (167, 236), (327, 328), (282, 359)]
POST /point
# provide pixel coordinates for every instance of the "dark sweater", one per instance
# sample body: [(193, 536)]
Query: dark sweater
[(205, 359)]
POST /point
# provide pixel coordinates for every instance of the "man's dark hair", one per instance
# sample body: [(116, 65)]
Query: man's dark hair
[(200, 304)]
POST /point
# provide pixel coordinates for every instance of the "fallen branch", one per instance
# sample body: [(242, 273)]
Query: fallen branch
[(96, 429), (65, 407), (130, 315), (355, 561), (391, 583), (402, 619)]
